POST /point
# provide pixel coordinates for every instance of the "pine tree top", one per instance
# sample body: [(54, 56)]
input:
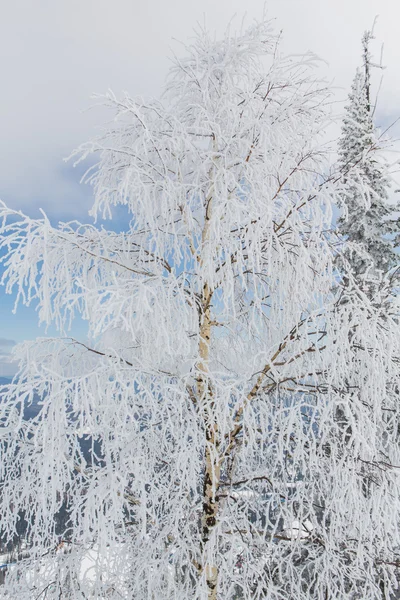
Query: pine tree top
[(368, 221)]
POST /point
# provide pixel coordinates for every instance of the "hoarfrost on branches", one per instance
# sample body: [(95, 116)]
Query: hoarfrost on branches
[(221, 344), (370, 223)]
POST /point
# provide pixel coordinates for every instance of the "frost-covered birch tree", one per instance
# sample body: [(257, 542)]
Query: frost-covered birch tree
[(219, 351)]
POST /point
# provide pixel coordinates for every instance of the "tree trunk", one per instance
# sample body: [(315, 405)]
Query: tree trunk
[(210, 506), (212, 463), (211, 457)]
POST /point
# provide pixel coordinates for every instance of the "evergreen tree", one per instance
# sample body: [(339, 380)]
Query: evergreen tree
[(369, 222), (371, 227)]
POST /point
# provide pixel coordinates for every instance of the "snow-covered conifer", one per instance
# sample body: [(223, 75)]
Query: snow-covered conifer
[(370, 223), (371, 226)]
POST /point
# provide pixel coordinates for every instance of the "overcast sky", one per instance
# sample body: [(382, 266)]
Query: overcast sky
[(55, 54)]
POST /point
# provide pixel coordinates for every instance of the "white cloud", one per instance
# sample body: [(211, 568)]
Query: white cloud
[(5, 342), (8, 368), (55, 54)]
